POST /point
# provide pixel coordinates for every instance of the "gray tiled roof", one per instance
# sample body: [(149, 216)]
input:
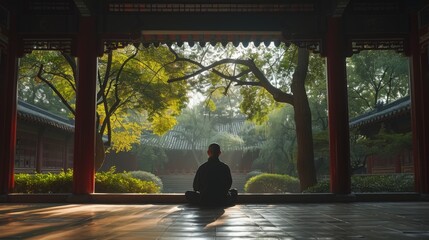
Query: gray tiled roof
[(32, 113), (174, 139), (395, 108)]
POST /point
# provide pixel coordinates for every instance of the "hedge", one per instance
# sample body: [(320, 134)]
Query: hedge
[(372, 183), (271, 183), (149, 177), (107, 182)]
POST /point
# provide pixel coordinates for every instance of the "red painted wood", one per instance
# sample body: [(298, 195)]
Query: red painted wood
[(8, 101), (339, 148), (419, 108), (84, 142)]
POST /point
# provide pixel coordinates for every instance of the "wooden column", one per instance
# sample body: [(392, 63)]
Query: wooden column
[(419, 107), (84, 139), (338, 120), (8, 101)]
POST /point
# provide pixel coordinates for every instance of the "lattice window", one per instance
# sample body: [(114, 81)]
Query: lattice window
[(113, 45), (64, 45), (376, 44), (49, 6), (53, 153), (311, 45), (207, 7), (70, 154), (26, 150)]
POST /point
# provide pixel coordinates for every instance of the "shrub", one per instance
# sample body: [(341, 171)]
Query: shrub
[(147, 176), (62, 183), (383, 183), (44, 182), (372, 183), (272, 183), (321, 187), (111, 182), (253, 173)]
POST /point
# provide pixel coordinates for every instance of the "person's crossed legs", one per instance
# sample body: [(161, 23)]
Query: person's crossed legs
[(195, 198)]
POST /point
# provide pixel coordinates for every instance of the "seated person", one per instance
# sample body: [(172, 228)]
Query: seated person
[(212, 182)]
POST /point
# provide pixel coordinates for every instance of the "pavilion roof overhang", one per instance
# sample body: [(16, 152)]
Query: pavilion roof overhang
[(382, 113), (36, 115), (368, 24)]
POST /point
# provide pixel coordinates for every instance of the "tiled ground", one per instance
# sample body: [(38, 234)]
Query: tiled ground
[(405, 220)]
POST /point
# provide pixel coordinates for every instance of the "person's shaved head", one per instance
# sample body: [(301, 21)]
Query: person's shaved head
[(214, 150)]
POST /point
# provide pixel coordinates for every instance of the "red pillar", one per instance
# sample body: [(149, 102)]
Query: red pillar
[(339, 148), (84, 140), (419, 107), (8, 99)]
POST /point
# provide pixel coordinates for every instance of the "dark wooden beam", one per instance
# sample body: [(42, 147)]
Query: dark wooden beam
[(82, 7), (339, 7)]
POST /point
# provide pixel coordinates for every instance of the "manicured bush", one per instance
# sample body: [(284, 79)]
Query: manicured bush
[(372, 183), (44, 182), (111, 182), (321, 187), (383, 183), (272, 183), (253, 173), (108, 182), (147, 176)]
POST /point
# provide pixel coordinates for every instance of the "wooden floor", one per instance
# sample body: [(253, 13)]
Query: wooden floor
[(370, 220)]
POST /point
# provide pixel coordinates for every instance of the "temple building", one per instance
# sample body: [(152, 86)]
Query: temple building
[(335, 29)]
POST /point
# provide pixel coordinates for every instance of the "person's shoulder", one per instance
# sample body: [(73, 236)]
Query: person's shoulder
[(224, 164), (204, 165)]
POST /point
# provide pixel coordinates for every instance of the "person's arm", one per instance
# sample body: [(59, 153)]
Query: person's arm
[(196, 183), (229, 178)]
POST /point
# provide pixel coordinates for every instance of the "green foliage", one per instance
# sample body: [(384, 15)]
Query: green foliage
[(253, 173), (376, 77), (109, 181), (272, 183), (278, 148), (44, 182), (372, 183), (383, 183), (384, 143), (133, 92), (148, 177), (149, 158), (322, 186)]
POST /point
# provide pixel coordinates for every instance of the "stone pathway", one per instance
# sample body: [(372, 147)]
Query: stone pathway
[(380, 220)]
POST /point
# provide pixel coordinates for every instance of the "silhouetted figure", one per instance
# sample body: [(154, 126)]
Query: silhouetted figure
[(212, 182)]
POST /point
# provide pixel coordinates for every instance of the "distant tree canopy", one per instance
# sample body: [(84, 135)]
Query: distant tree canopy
[(376, 77), (132, 92)]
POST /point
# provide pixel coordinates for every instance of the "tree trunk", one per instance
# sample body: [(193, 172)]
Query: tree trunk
[(302, 115)]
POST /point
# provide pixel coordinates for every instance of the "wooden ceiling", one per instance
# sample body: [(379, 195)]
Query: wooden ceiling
[(376, 24)]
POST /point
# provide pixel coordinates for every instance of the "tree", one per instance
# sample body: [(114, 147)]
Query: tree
[(278, 150), (194, 128), (266, 75), (132, 92), (376, 77)]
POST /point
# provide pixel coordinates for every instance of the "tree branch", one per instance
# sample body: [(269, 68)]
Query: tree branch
[(72, 62), (63, 100), (277, 94)]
